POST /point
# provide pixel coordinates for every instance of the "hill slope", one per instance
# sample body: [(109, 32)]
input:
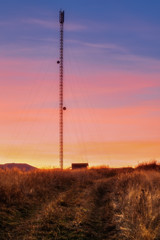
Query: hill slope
[(20, 166)]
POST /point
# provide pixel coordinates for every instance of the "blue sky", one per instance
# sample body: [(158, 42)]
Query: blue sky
[(131, 26)]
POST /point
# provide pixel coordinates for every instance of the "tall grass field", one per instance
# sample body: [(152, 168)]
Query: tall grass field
[(91, 204)]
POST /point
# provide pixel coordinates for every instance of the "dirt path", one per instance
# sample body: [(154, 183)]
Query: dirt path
[(80, 213), (100, 224), (54, 219)]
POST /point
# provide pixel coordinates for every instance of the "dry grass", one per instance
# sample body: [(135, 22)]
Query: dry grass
[(95, 204)]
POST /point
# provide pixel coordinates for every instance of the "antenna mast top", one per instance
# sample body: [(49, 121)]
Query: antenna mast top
[(61, 16)]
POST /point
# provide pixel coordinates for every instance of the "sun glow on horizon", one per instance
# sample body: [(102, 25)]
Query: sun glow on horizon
[(112, 154)]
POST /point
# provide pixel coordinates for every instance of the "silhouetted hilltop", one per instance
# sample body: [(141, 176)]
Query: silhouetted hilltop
[(22, 166), (149, 166)]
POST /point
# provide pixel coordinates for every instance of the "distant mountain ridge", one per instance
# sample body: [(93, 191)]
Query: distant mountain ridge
[(21, 166)]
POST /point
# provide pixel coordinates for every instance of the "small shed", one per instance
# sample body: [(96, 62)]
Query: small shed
[(79, 165)]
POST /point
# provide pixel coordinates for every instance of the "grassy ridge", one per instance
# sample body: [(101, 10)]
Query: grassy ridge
[(95, 204)]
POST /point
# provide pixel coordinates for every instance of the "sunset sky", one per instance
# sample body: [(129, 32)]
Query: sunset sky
[(111, 82)]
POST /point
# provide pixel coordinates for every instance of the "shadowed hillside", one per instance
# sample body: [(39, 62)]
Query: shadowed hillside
[(95, 204), (20, 166)]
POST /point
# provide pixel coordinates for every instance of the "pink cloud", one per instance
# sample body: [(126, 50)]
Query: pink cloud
[(109, 84), (37, 83), (29, 103)]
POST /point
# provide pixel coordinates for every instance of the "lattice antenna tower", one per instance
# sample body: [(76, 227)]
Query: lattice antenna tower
[(61, 107)]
